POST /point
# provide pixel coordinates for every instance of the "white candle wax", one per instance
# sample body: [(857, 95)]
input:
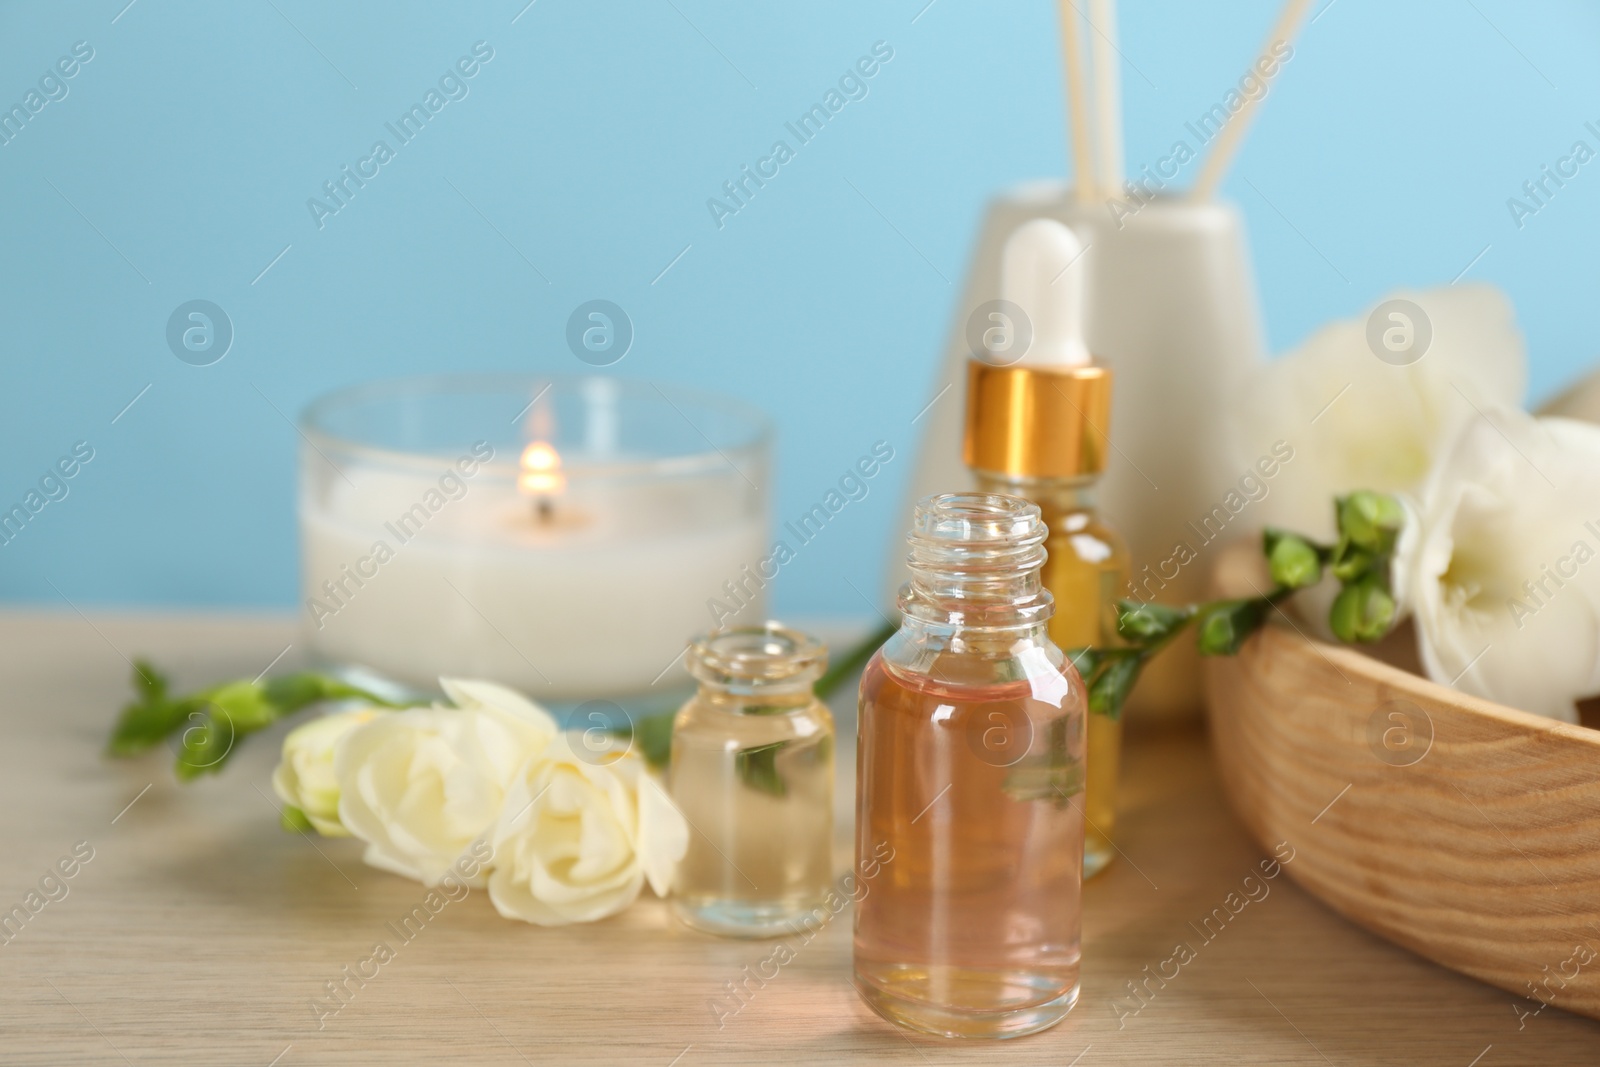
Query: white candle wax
[(599, 599)]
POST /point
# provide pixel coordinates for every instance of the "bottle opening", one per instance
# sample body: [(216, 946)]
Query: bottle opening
[(976, 519), (757, 655)]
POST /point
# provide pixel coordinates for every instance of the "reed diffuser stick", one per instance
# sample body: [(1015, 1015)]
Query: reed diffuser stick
[(1077, 102), (1108, 95), (1227, 146)]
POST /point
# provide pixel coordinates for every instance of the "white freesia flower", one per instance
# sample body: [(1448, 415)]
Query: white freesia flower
[(577, 840), (420, 785), (304, 778), (1357, 422), (1503, 574)]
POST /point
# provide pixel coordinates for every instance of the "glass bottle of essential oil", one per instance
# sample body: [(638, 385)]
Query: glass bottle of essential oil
[(970, 759), (752, 772), (1036, 428)]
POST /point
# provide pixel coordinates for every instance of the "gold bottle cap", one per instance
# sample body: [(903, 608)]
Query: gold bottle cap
[(1037, 422)]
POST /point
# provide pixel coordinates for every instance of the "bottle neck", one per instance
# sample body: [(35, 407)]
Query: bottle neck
[(757, 668), (975, 568)]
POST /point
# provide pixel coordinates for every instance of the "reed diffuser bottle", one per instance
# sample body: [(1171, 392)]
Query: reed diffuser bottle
[(1036, 428), (970, 759), (752, 772)]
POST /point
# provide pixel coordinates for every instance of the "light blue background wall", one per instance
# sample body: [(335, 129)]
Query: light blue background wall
[(193, 139)]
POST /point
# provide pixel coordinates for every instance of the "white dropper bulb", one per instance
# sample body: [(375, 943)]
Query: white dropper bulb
[(1042, 272)]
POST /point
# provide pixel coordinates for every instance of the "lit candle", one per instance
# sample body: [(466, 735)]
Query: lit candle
[(541, 477), (431, 561)]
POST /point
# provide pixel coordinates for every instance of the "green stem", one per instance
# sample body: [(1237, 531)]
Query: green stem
[(211, 722)]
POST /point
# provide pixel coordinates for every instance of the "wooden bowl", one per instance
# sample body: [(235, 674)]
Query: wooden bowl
[(1464, 830)]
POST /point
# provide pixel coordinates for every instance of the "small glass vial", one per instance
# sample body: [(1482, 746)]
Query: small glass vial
[(970, 762), (752, 772)]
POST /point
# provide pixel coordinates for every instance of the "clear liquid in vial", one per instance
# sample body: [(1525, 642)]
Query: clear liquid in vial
[(757, 791)]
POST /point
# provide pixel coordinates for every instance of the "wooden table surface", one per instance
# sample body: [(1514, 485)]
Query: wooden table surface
[(200, 931)]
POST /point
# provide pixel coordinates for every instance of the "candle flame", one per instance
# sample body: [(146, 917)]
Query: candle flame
[(541, 470)]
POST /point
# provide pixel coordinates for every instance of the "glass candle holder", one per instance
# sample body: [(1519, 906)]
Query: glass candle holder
[(562, 536), (752, 772)]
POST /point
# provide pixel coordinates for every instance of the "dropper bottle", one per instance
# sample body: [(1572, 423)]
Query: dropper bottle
[(1036, 427)]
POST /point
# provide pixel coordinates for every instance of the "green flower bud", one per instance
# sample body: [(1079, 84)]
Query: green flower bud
[(1363, 611), (244, 704), (1370, 521), (1349, 562), (1295, 564)]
